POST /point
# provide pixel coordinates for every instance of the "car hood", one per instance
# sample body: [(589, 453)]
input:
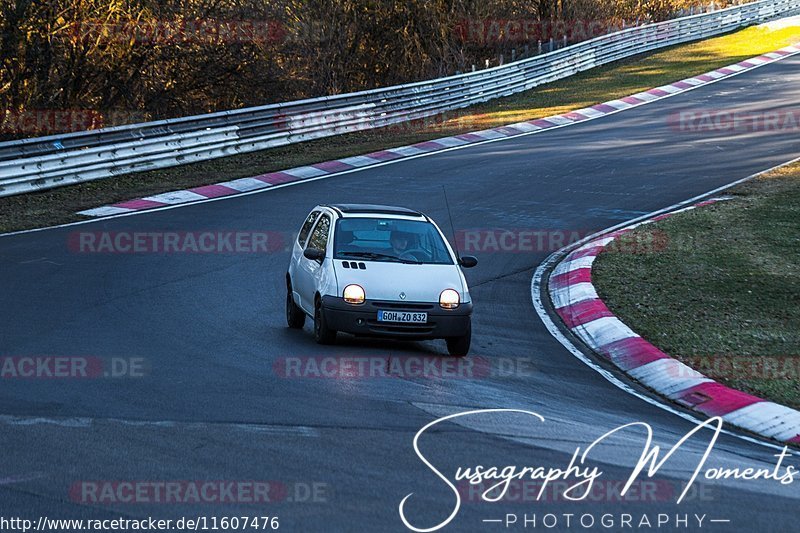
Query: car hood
[(386, 280)]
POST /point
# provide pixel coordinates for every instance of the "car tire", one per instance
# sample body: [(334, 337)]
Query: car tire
[(322, 333), (459, 346), (295, 316)]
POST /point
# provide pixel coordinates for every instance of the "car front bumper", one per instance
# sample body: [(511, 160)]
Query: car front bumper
[(363, 319)]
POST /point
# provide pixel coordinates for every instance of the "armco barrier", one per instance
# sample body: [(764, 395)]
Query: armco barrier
[(46, 162)]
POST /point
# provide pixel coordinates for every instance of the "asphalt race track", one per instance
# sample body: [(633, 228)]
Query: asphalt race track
[(210, 328)]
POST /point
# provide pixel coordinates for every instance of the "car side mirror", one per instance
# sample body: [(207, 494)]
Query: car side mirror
[(315, 254), (468, 261)]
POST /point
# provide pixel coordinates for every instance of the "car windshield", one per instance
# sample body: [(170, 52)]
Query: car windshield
[(386, 239)]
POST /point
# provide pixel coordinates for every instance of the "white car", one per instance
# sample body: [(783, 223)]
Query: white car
[(375, 270)]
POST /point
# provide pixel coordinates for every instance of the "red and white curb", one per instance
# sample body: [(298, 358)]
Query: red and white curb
[(576, 301), (327, 168)]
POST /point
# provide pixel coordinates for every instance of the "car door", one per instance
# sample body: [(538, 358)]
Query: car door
[(309, 271), (297, 252)]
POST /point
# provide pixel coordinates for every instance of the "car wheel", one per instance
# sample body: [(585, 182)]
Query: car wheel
[(295, 316), (322, 334), (459, 346)]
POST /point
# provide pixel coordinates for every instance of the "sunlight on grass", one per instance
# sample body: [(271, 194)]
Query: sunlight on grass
[(789, 171), (624, 78)]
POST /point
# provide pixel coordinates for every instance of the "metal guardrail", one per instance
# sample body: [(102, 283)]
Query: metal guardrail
[(45, 162)]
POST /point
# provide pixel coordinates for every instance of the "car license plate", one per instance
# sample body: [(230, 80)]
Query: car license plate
[(402, 316)]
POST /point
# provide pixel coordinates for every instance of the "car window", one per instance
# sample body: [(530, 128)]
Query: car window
[(307, 225), (319, 237), (392, 238)]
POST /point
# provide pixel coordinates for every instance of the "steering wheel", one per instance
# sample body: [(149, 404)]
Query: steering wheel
[(415, 254)]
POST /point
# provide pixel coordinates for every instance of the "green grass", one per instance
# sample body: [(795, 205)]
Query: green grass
[(723, 295), (598, 85)]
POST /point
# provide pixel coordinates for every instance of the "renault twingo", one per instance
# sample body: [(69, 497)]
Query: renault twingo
[(378, 271)]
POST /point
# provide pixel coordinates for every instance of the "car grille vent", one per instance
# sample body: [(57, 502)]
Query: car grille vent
[(402, 305), (353, 264)]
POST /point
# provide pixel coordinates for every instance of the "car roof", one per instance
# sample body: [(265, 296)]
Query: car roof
[(360, 209)]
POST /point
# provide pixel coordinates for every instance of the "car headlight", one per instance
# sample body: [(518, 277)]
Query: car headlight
[(449, 299), (354, 294)]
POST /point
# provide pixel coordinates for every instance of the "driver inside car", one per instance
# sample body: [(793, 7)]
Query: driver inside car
[(406, 245), (400, 241)]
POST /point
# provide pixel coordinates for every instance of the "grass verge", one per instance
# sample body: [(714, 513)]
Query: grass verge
[(722, 291), (598, 85)]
